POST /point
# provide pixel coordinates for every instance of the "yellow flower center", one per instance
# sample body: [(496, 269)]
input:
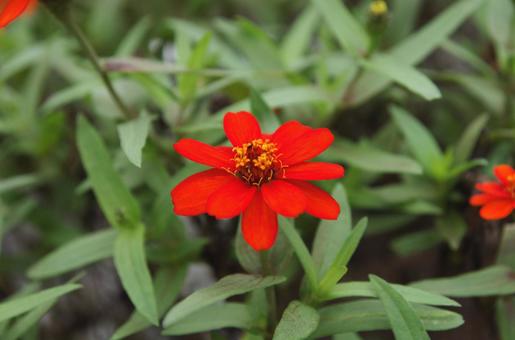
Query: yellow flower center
[(378, 7), (256, 162)]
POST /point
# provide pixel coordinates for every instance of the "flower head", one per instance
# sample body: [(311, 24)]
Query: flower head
[(260, 176), (12, 9), (378, 7), (496, 198)]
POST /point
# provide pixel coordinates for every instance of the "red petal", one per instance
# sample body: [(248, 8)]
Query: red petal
[(284, 198), (319, 203), (12, 10), (493, 188), (241, 127), (288, 132), (502, 172), (496, 210), (481, 199), (314, 171), (190, 196), (231, 199), (259, 224), (305, 147), (214, 156)]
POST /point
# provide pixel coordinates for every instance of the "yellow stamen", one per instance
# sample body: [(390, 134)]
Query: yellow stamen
[(256, 162)]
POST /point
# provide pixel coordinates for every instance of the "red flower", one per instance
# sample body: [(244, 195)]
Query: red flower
[(11, 9), (496, 198), (261, 176)]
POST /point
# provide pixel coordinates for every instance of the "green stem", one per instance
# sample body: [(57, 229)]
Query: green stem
[(270, 295), (93, 57)]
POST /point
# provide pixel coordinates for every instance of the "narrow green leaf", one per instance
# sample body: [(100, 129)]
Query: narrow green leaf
[(331, 234), (403, 74), (411, 294), (370, 158), (495, 280), (469, 139), (117, 203), (167, 285), (228, 286), (300, 249), (297, 323), (131, 265), (339, 266), (188, 82), (133, 136), (26, 303), (452, 227), (134, 38), (234, 315), (369, 315), (416, 242), (416, 47), (297, 39), (258, 106), (419, 139), (405, 323), (18, 182), (23, 324), (346, 29), (75, 254), (505, 314)]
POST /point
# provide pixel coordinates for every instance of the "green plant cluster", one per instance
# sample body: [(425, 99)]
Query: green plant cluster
[(421, 102)]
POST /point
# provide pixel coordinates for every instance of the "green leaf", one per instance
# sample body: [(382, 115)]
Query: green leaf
[(297, 39), (188, 82), (494, 280), (300, 249), (339, 266), (235, 315), (416, 242), (403, 74), (505, 314), (258, 106), (419, 139), (76, 254), (369, 158), (117, 203), (469, 139), (346, 29), (228, 286), (331, 234), (411, 294), (167, 285), (131, 265), (415, 48), (405, 323), (18, 182), (133, 136), (297, 323), (26, 303), (23, 324), (134, 38), (369, 315), (452, 227)]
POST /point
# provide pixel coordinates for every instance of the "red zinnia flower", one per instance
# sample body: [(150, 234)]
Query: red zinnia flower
[(11, 9), (496, 198), (261, 176)]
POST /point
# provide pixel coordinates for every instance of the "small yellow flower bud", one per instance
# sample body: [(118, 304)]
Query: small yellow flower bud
[(378, 7)]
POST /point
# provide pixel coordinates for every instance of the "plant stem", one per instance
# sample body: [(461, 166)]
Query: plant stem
[(93, 57), (270, 295)]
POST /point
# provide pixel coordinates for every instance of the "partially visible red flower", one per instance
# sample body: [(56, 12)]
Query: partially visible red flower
[(496, 198), (261, 176), (12, 9)]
